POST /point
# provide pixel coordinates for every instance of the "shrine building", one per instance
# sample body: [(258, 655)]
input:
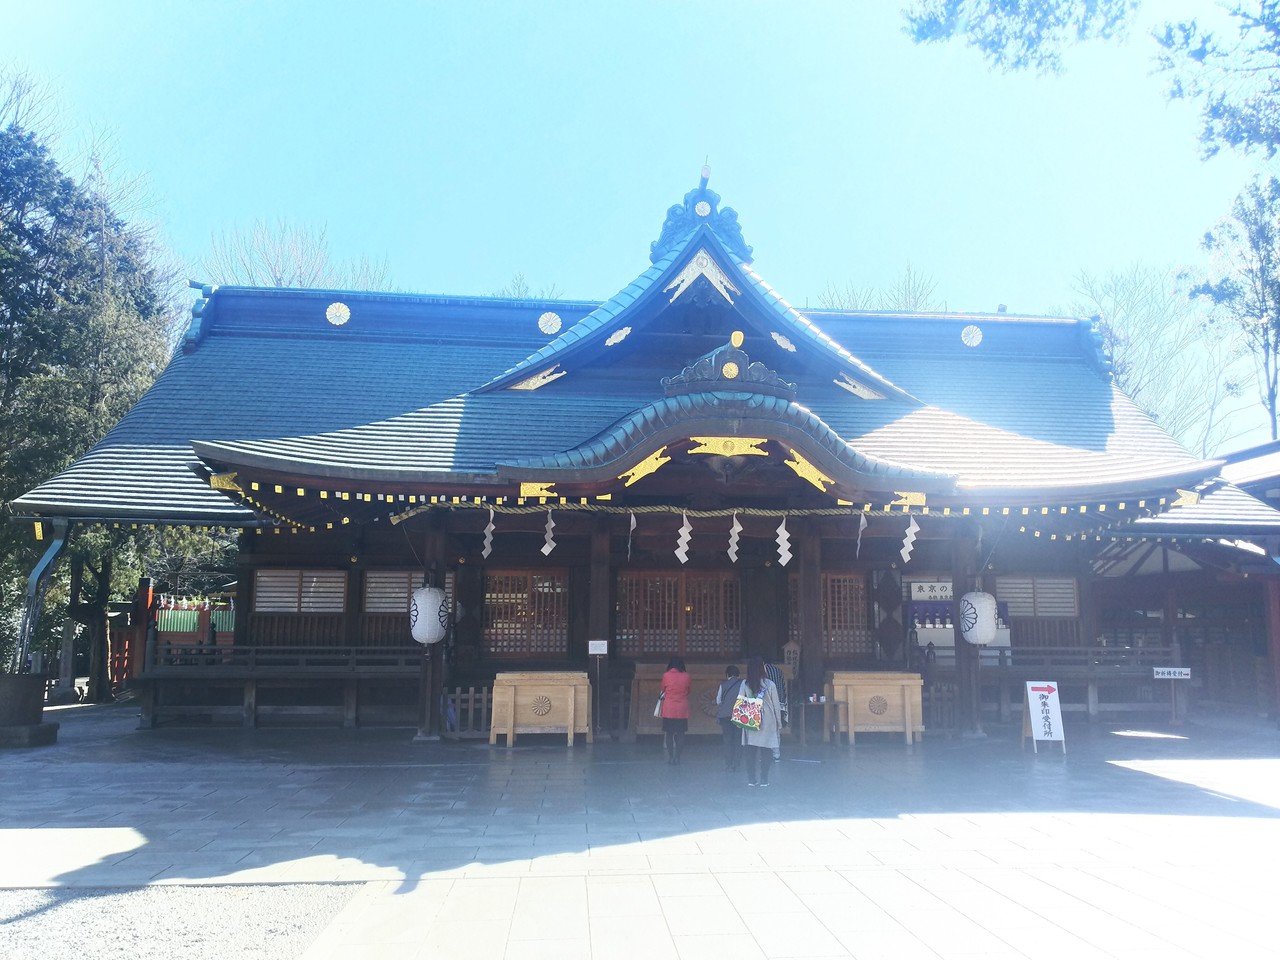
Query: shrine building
[(692, 468)]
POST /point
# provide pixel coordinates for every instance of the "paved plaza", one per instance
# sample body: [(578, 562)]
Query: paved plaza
[(358, 844)]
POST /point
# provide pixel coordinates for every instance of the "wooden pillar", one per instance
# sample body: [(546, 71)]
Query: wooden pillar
[(250, 704), (812, 658), (1273, 641), (353, 614), (964, 572), (244, 590), (1169, 623), (147, 695), (140, 631), (93, 614), (599, 607), (1088, 612), (350, 701)]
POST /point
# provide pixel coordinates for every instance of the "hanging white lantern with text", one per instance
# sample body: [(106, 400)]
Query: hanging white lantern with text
[(978, 618), (427, 615)]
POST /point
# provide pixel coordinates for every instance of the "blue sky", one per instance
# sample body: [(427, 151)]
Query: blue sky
[(466, 142)]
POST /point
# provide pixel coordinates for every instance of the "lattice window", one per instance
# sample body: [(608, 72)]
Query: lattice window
[(690, 614), (845, 631), (390, 591), (648, 614), (299, 591), (526, 614), (712, 615)]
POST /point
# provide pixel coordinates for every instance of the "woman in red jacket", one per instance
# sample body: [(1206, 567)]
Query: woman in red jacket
[(675, 708)]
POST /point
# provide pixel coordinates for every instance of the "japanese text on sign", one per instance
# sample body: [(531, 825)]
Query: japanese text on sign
[(921, 590), (1172, 673), (1045, 710)]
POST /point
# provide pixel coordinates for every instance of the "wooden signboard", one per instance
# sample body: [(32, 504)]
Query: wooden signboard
[(535, 701), (1042, 715), (873, 702), (1175, 674)]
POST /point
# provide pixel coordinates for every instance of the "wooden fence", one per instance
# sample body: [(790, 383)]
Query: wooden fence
[(228, 660)]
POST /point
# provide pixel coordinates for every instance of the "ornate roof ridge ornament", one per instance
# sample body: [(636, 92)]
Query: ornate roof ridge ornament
[(702, 264), (701, 205), (728, 367)]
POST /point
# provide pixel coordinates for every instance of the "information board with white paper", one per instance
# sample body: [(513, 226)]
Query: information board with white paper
[(1042, 715)]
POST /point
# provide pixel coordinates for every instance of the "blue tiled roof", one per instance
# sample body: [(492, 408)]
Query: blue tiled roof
[(1223, 509), (398, 387)]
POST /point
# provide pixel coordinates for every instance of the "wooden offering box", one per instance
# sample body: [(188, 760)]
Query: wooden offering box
[(873, 702), (702, 696), (541, 702)]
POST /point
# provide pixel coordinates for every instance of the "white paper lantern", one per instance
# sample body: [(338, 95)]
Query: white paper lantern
[(978, 618), (427, 615)]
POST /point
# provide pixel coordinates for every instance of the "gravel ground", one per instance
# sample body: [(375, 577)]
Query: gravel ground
[(171, 922)]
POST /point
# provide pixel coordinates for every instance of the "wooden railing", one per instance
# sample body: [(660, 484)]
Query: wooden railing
[(1082, 661), (469, 712), (1045, 632), (169, 659), (385, 630), (296, 629)]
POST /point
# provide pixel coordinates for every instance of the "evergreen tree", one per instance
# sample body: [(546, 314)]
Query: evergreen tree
[(86, 323)]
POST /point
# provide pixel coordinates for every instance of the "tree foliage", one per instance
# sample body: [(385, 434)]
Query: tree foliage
[(1243, 282), (1231, 71), (1234, 74), (87, 320), (1018, 34)]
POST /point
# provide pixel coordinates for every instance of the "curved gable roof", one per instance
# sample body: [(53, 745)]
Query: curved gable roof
[(642, 300)]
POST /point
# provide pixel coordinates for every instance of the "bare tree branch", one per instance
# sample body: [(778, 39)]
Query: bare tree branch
[(519, 289), (911, 292), (287, 254), (1165, 357)]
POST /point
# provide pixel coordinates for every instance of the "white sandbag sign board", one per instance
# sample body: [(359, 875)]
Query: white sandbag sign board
[(1042, 715)]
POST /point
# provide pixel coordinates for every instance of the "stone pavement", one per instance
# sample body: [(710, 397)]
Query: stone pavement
[(1129, 847)]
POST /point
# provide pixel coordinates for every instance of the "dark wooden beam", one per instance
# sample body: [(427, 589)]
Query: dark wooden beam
[(812, 658), (1273, 640), (599, 606)]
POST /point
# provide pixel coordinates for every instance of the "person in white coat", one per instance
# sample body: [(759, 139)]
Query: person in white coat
[(760, 744)]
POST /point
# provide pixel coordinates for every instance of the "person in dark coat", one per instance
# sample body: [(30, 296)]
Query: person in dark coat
[(730, 731)]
